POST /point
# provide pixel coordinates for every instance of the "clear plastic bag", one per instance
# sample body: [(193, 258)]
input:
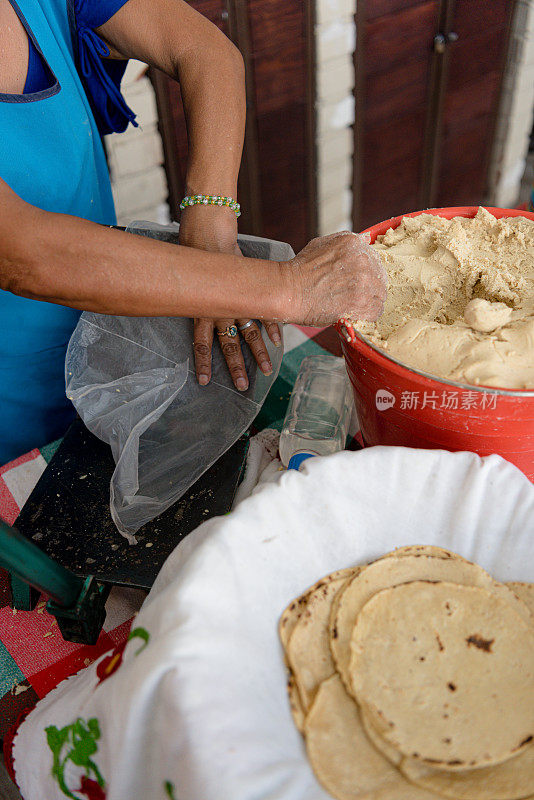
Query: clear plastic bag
[(132, 381)]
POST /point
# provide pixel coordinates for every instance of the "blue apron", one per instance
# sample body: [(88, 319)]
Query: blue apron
[(51, 155)]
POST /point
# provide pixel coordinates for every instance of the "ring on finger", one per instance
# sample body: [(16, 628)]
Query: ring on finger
[(246, 325), (230, 330)]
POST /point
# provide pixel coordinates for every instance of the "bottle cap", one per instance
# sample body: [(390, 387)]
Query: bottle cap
[(296, 460)]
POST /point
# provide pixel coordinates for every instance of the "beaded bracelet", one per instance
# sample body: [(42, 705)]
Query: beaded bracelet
[(211, 200)]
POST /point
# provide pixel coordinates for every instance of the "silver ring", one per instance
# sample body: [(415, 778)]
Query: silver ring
[(247, 325), (230, 330)]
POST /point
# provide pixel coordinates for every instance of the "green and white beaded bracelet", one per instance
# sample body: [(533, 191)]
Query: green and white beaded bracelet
[(211, 200)]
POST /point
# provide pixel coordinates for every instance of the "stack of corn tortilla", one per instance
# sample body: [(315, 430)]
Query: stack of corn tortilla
[(412, 678)]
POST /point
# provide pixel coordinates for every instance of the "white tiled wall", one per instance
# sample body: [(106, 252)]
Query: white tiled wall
[(140, 192), (135, 157), (336, 212), (335, 36), (131, 154), (336, 81), (514, 121), (335, 178), (336, 142), (329, 11)]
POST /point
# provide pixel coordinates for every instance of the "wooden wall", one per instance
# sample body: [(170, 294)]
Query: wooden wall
[(425, 118)]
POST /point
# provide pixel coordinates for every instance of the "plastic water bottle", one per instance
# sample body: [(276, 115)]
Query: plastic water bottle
[(318, 416)]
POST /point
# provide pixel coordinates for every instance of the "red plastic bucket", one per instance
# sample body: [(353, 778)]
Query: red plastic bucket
[(398, 405)]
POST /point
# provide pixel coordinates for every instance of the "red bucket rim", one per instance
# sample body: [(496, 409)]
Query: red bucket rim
[(379, 357)]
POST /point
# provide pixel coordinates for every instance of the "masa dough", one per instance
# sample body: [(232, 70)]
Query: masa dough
[(460, 301)]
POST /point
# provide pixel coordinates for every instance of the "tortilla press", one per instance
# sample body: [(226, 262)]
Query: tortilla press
[(67, 546)]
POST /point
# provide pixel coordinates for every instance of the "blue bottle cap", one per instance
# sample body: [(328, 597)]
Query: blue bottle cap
[(296, 460)]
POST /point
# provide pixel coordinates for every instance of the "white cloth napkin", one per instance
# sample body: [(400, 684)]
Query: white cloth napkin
[(201, 712)]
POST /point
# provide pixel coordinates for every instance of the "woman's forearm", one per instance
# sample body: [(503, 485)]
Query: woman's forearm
[(213, 92), (175, 38), (67, 260)]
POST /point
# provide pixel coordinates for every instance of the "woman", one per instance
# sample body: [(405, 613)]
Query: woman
[(61, 62)]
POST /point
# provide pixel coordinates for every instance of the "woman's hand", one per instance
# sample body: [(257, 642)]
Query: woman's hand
[(336, 276), (215, 229)]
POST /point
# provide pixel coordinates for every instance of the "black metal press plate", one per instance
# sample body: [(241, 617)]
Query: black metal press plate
[(67, 514)]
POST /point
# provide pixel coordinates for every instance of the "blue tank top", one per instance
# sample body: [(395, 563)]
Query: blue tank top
[(51, 155), (38, 76)]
